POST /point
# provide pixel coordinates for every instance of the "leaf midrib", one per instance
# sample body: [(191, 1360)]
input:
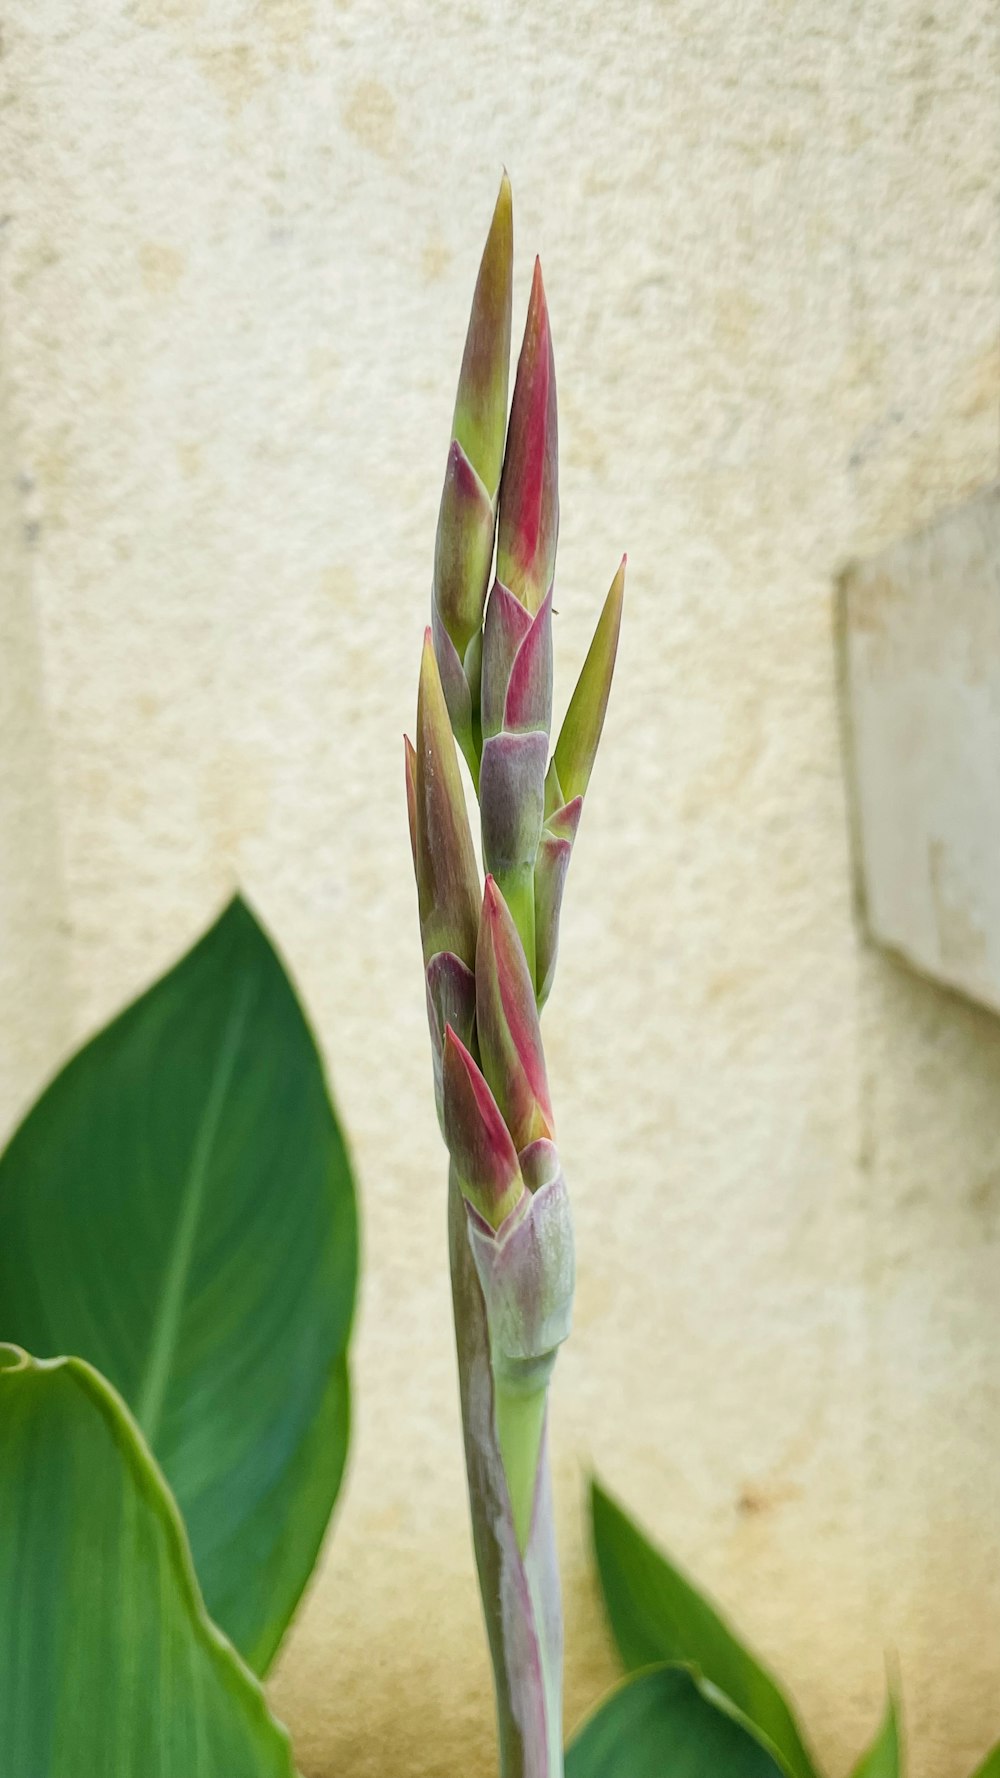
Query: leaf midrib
[(166, 1325)]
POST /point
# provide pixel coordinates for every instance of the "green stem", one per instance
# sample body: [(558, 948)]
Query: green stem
[(519, 1584), (520, 1421)]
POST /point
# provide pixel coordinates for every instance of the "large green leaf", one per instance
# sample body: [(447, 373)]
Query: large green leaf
[(178, 1209), (656, 1615), (108, 1663), (666, 1724), (884, 1758)]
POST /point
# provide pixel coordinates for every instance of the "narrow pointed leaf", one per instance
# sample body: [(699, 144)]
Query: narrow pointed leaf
[(884, 1758), (529, 491), (656, 1615), (576, 748), (480, 419), (665, 1724), (178, 1208), (108, 1661)]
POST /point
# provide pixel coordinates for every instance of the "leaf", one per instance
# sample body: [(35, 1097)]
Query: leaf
[(108, 1663), (990, 1767), (665, 1724), (656, 1615), (884, 1758), (178, 1209)]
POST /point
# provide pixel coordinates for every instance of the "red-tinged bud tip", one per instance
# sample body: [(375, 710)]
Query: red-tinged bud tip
[(478, 1139), (510, 1038), (576, 748), (529, 490)]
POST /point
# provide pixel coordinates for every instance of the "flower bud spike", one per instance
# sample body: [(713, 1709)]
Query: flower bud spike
[(576, 747), (480, 420), (463, 550), (478, 1140), (510, 1038), (529, 487), (446, 871)]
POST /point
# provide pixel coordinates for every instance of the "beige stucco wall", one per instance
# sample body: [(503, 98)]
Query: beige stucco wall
[(238, 244)]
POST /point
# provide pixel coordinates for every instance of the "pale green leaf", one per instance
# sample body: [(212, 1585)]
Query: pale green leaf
[(665, 1723), (108, 1663), (884, 1758), (656, 1615), (178, 1209)]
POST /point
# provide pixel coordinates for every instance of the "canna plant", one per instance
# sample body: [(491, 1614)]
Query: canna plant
[(489, 952), (178, 1253)]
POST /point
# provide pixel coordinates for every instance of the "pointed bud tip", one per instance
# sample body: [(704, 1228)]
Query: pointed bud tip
[(538, 308), (493, 901), (503, 209), (616, 591)]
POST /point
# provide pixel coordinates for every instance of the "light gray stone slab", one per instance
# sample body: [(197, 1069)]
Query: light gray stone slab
[(921, 654)]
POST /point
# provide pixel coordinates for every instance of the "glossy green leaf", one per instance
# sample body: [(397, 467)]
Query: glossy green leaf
[(665, 1723), (108, 1663), (178, 1209), (884, 1758), (656, 1615)]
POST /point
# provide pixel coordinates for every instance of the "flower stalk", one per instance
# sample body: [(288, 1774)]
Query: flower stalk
[(485, 693)]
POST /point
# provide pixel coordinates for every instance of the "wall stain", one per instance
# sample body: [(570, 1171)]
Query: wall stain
[(434, 261), (370, 115), (870, 599), (235, 72), (162, 267), (755, 1499)]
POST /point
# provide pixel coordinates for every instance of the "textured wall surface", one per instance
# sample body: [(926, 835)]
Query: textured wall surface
[(238, 245)]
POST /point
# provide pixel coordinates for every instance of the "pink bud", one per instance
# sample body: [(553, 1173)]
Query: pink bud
[(510, 1038), (478, 1139), (529, 487)]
